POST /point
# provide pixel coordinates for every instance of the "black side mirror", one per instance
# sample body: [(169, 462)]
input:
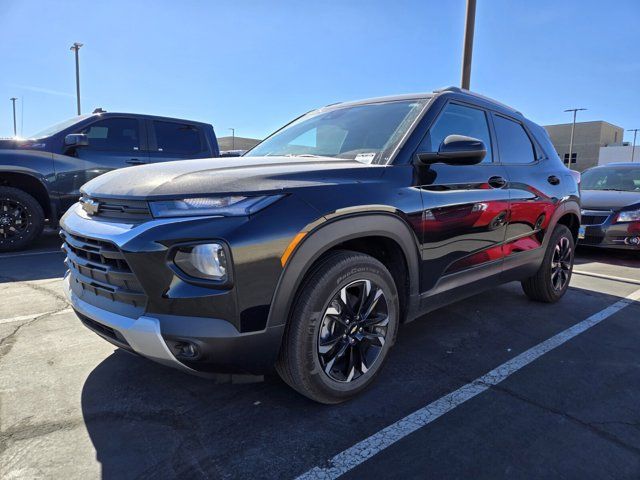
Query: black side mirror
[(76, 140), (456, 150)]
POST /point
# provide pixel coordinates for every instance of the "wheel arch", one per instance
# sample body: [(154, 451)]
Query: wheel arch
[(346, 233), (31, 185)]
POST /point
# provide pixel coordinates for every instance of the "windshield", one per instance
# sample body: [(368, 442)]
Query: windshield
[(624, 179), (47, 132), (367, 133)]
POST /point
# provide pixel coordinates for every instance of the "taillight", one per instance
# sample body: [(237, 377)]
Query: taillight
[(576, 176)]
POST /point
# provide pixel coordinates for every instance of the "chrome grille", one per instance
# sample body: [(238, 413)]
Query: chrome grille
[(100, 267), (116, 208), (594, 217)]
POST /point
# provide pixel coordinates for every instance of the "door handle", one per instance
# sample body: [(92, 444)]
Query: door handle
[(553, 180), (134, 161), (497, 182)]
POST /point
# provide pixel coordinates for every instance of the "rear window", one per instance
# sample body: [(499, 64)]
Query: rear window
[(174, 137), (514, 144)]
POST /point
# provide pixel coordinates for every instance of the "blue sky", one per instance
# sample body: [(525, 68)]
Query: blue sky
[(255, 65)]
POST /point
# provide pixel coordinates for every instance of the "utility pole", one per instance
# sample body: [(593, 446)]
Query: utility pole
[(468, 44), (13, 100), (233, 138), (633, 149), (76, 47), (573, 128)]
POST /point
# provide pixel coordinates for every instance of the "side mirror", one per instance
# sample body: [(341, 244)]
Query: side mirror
[(456, 150), (76, 140)]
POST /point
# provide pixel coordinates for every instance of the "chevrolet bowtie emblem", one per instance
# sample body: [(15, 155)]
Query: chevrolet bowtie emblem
[(90, 206)]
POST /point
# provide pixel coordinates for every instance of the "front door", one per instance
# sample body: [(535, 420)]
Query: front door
[(465, 206), (114, 142)]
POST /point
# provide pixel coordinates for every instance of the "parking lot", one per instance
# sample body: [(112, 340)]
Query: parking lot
[(73, 407)]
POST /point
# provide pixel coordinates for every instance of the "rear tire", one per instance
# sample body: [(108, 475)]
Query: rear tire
[(342, 326), (21, 219), (551, 281)]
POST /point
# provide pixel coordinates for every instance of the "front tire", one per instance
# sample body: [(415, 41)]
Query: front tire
[(551, 281), (21, 219), (342, 326)]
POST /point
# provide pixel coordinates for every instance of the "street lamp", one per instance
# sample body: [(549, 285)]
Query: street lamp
[(233, 138), (573, 127), (468, 44), (633, 149), (76, 47), (15, 131)]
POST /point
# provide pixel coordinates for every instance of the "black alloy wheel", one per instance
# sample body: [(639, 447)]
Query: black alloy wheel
[(353, 331), (561, 264), (21, 219), (343, 323), (551, 281)]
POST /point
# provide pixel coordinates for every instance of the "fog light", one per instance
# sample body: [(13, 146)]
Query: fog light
[(632, 241), (207, 261), (186, 350)]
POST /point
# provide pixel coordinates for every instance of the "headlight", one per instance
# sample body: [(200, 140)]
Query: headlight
[(628, 216), (231, 206), (207, 261)]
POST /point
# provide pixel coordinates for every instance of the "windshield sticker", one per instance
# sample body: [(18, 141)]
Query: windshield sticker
[(365, 157)]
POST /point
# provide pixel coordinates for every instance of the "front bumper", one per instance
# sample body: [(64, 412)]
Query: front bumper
[(609, 234), (228, 326), (141, 335)]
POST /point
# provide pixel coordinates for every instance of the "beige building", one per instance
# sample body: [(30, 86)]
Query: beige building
[(240, 143), (588, 138)]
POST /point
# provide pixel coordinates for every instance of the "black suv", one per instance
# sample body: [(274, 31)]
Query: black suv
[(307, 253), (40, 177)]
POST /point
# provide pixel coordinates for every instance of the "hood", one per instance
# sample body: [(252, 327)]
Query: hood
[(608, 199), (227, 175), (21, 144)]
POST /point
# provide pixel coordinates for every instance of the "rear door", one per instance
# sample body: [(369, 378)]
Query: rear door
[(171, 140), (535, 188), (465, 206)]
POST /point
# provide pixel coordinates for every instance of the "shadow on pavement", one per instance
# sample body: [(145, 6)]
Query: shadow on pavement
[(149, 421), (43, 260)]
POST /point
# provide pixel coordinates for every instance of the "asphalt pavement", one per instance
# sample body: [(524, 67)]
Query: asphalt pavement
[(72, 406)]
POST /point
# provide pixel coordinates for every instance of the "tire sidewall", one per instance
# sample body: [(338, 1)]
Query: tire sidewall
[(35, 218), (560, 232), (336, 278)]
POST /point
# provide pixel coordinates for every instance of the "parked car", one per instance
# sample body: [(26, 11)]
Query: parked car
[(308, 252), (611, 206), (40, 177)]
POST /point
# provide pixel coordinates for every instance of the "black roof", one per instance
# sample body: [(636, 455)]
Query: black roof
[(143, 115), (454, 92)]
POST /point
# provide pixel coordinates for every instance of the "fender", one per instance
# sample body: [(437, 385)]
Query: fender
[(37, 167), (333, 232)]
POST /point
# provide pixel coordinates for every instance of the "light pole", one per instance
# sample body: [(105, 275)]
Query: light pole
[(76, 47), (633, 149), (468, 44), (573, 127), (15, 131), (233, 138)]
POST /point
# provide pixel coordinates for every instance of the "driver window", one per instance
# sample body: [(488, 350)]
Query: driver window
[(458, 120)]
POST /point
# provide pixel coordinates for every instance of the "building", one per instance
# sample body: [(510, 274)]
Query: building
[(239, 143), (619, 153), (588, 139)]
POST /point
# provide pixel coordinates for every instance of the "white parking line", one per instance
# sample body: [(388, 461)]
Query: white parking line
[(606, 277), (23, 318), (367, 448), (12, 255)]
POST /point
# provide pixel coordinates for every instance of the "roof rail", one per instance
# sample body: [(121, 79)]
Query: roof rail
[(474, 94)]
